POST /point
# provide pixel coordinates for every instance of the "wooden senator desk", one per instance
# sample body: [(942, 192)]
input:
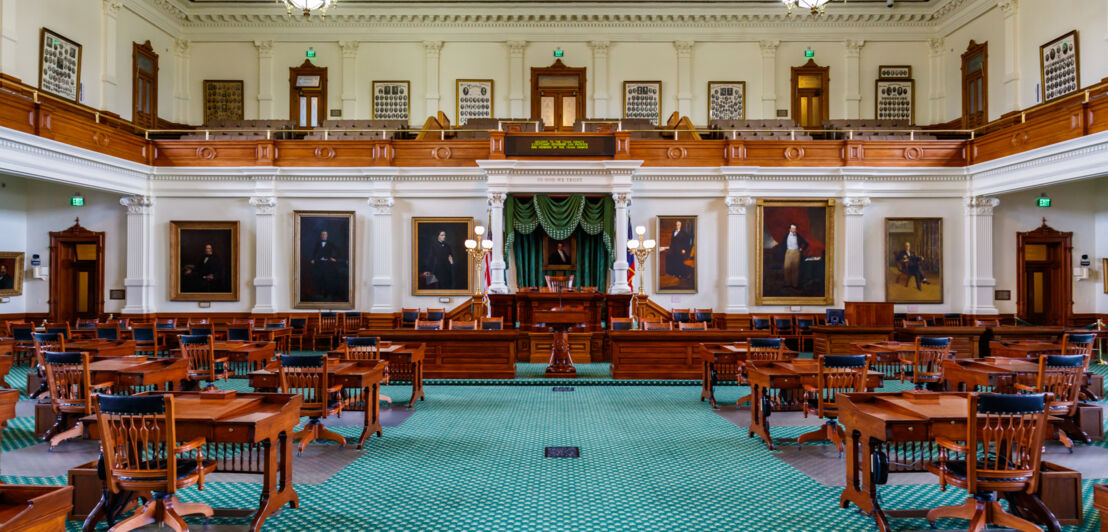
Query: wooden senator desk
[(836, 340), (254, 355), (1029, 349), (1008, 332), (245, 432), (281, 335), (788, 378), (903, 426), (721, 363), (34, 508), (7, 346), (886, 355), (666, 355), (459, 354), (131, 373), (6, 363), (994, 374), (8, 399), (964, 341), (405, 365), (361, 387), (100, 349)]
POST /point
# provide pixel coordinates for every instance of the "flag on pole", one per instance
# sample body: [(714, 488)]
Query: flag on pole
[(488, 271), (630, 256)]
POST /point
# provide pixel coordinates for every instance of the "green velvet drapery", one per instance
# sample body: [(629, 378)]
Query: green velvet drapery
[(592, 221)]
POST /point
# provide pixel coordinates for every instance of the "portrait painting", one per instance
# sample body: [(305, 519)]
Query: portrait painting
[(1104, 273), (676, 254), (914, 260), (795, 252), (440, 264), (11, 273), (324, 259), (559, 255), (204, 261)]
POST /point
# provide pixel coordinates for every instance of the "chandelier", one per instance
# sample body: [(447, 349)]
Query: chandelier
[(816, 6), (307, 6)]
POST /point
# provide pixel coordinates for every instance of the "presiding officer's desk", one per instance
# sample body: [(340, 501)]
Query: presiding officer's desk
[(459, 354), (667, 354)]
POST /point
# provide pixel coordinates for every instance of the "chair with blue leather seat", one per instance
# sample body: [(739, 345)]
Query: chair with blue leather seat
[(307, 375), (837, 374)]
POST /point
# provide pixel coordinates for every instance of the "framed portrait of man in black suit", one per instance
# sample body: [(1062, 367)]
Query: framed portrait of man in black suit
[(794, 252), (914, 260), (440, 264), (676, 255), (11, 273), (559, 255), (324, 259), (204, 258)]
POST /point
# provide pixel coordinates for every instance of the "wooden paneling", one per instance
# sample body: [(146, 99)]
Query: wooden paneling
[(665, 354), (679, 153), (964, 341), (790, 153), (906, 153), (1097, 115), (1038, 131), (461, 354), (59, 123), (580, 346), (440, 153), (827, 340), (868, 314), (213, 152), (334, 153), (17, 111)]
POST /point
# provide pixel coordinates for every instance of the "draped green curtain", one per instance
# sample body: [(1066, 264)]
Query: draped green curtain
[(591, 220)]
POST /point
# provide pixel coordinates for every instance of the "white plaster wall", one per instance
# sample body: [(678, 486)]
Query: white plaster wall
[(478, 60), (236, 61), (388, 61), (1041, 22), (13, 225), (637, 61), (875, 54), (135, 29), (726, 62), (1100, 273), (989, 27), (81, 24)]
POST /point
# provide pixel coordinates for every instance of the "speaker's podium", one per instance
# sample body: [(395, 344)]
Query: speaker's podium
[(560, 319)]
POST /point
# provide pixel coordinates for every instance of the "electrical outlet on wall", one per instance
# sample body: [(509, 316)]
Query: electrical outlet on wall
[(445, 299), (794, 309)]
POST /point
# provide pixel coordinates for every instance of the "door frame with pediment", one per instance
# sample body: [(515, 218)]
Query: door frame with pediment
[(557, 70), (1054, 259)]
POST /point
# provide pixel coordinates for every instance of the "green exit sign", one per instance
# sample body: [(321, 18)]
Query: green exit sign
[(77, 201), (809, 53), (1042, 202), (558, 52), (310, 53)]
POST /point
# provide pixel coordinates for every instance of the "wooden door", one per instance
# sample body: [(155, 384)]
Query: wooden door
[(76, 274), (307, 95), (1044, 287), (557, 95), (144, 88), (975, 85), (810, 93)]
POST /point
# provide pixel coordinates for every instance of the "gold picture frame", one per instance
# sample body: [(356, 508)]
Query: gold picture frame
[(921, 261), (1104, 273), (432, 273), (1059, 67), (324, 273), (59, 65), (223, 100), (197, 274), (386, 94), (473, 98), (722, 104), (676, 256), (645, 100), (818, 218), (11, 276), (549, 247)]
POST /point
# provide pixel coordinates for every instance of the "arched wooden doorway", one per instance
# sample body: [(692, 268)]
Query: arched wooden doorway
[(76, 273), (1044, 289)]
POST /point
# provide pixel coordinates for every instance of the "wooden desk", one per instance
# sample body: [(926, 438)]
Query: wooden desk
[(788, 378), (1100, 502), (281, 335), (8, 399), (836, 340), (405, 365), (34, 508), (361, 386), (903, 427), (997, 374), (667, 354), (721, 363), (6, 363), (7, 346), (1027, 349), (561, 320), (886, 355), (964, 341), (98, 349), (459, 354), (518, 307), (129, 373), (248, 433), (255, 355)]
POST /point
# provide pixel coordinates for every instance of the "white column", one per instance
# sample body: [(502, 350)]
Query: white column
[(853, 78), (937, 71), (139, 281), (497, 265), (108, 37), (854, 264), (265, 226), (181, 94), (769, 78), (684, 76), (619, 267), (8, 36), (431, 50), (1012, 99), (600, 78), (517, 79), (265, 79), (738, 267), (980, 282), (349, 78), (381, 241)]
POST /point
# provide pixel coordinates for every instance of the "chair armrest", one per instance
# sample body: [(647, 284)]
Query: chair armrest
[(190, 446), (102, 385), (335, 389), (1025, 388), (904, 361), (809, 388), (223, 359), (948, 444)]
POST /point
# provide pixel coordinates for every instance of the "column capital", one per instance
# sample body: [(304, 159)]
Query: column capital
[(264, 205), (265, 48), (622, 199), (769, 47), (737, 204), (684, 48), (855, 206), (981, 206), (349, 48), (497, 199), (138, 204), (112, 7), (516, 47), (599, 47), (181, 47), (382, 205), (937, 45), (1009, 7), (432, 48), (854, 47)]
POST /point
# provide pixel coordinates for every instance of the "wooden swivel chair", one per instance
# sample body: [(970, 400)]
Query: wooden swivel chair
[(758, 350), (298, 333), (492, 324), (690, 326), (952, 320), (760, 323), (1060, 378), (408, 317), (61, 328), (657, 325), (1078, 344), (463, 325), (559, 283), (1004, 437), (428, 325), (804, 326), (240, 334), (104, 332), (307, 375), (71, 389), (366, 348), (199, 350), (351, 322), (837, 374), (915, 323), (44, 342), (326, 328), (622, 324), (147, 339), (201, 330), (138, 440), (436, 314), (986, 323), (784, 328), (925, 368), (681, 315), (23, 342), (704, 315)]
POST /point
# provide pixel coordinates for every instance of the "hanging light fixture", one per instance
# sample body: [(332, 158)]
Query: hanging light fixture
[(815, 6), (308, 6)]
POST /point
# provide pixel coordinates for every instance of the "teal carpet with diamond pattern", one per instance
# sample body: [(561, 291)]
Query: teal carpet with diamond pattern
[(653, 458)]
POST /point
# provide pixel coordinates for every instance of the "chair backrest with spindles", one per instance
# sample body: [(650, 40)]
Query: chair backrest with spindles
[(137, 439), (681, 315), (199, 350), (492, 324), (1078, 343), (362, 348), (763, 349), (559, 283), (703, 314), (240, 334), (305, 375), (1062, 377), (328, 322), (107, 333), (463, 325), (1005, 433), (657, 326), (839, 374), (68, 381), (47, 341), (928, 357)]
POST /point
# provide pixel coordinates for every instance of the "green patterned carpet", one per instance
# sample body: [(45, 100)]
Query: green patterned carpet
[(652, 458)]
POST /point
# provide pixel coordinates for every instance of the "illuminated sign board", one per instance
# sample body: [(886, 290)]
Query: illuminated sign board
[(559, 146)]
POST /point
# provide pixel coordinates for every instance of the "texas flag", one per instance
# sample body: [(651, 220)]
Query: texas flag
[(630, 256)]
